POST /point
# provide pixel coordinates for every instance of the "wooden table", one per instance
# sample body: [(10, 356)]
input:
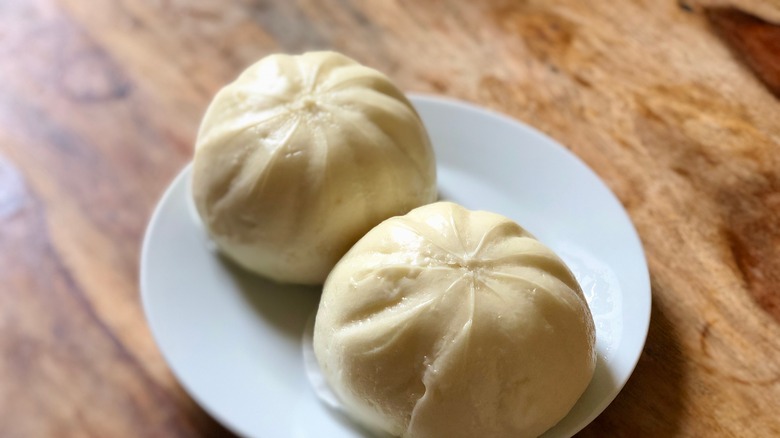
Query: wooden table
[(99, 106)]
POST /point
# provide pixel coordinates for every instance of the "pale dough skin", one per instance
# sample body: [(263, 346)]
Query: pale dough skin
[(302, 155), (454, 323)]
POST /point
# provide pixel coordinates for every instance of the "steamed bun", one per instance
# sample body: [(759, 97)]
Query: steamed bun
[(301, 156), (454, 323)]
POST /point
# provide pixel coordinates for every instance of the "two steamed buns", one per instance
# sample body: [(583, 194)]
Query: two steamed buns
[(443, 322)]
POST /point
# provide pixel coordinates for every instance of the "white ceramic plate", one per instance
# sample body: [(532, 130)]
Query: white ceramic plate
[(234, 340)]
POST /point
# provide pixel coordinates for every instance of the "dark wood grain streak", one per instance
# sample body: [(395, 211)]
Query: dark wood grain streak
[(755, 40)]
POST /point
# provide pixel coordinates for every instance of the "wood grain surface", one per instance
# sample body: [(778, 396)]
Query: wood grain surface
[(99, 106)]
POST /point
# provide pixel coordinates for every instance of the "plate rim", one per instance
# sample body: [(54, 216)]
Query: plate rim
[(172, 186)]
